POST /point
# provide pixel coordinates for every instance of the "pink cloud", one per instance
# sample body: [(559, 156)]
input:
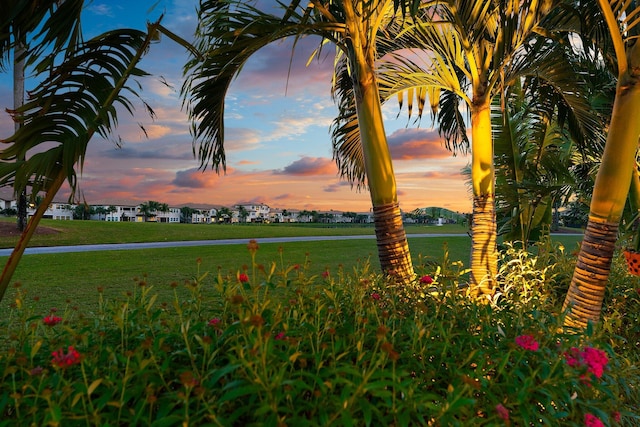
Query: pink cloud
[(308, 166), (409, 144)]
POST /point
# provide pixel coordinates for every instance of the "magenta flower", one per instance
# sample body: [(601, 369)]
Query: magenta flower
[(64, 360), (591, 420), (426, 279), (280, 336), (502, 412), (214, 322), (527, 342), (594, 359), (243, 278), (51, 320)]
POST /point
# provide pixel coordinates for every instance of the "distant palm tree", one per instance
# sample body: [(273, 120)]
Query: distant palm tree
[(231, 31), (242, 213)]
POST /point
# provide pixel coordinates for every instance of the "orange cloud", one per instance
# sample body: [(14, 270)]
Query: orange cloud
[(309, 166), (410, 144)]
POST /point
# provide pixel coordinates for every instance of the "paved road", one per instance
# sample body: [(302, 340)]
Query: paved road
[(153, 245)]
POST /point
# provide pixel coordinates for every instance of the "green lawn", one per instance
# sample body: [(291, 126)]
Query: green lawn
[(54, 277), (87, 232)]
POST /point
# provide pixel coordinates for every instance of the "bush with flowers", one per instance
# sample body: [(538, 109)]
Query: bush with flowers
[(275, 346)]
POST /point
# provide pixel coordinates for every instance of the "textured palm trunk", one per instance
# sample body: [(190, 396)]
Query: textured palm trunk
[(484, 252), (583, 302), (589, 280), (393, 248)]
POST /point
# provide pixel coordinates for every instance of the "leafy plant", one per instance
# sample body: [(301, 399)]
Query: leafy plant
[(274, 345)]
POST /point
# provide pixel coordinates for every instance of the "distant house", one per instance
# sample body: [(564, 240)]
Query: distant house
[(254, 212), (56, 210)]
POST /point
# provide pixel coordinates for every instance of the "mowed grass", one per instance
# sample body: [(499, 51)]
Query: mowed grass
[(99, 232), (73, 278)]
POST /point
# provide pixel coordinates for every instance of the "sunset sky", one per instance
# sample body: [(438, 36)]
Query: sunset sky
[(278, 145)]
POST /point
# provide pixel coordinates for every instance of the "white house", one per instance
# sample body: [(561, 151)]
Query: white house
[(254, 212)]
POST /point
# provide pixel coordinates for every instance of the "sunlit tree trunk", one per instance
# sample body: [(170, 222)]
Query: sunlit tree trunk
[(586, 292), (393, 248), (484, 253)]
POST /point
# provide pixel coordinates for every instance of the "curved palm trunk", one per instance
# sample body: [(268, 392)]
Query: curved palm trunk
[(27, 233), (586, 292), (484, 252), (393, 248)]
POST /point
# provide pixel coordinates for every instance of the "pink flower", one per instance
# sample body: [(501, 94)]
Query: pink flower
[(51, 320), (426, 279), (527, 342), (214, 322), (502, 412), (594, 359), (280, 336), (375, 296), (62, 360), (243, 278), (591, 420)]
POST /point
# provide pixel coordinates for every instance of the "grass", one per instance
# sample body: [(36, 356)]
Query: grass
[(53, 277), (98, 232)]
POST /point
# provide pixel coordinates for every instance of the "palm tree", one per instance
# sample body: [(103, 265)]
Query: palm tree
[(75, 98), (20, 20), (242, 213), (465, 53), (231, 31), (583, 302)]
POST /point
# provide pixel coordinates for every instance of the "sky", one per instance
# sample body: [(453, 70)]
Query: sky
[(278, 114)]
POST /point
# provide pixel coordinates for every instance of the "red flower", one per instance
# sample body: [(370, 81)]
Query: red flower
[(325, 274), (280, 336), (426, 279), (502, 411), (595, 360), (51, 320), (214, 322), (243, 278), (62, 360), (375, 296), (527, 342), (591, 420)]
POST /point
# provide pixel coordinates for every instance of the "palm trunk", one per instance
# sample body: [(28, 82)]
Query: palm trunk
[(589, 280), (586, 292), (393, 248), (484, 251), (27, 233), (18, 101)]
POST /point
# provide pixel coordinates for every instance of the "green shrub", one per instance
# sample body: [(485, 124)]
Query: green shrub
[(271, 345)]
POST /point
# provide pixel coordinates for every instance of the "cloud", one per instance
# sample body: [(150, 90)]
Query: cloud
[(410, 144), (195, 178), (101, 9), (339, 186), (307, 166)]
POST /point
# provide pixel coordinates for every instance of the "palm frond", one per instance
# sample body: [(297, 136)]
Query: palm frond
[(228, 34), (73, 102)]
